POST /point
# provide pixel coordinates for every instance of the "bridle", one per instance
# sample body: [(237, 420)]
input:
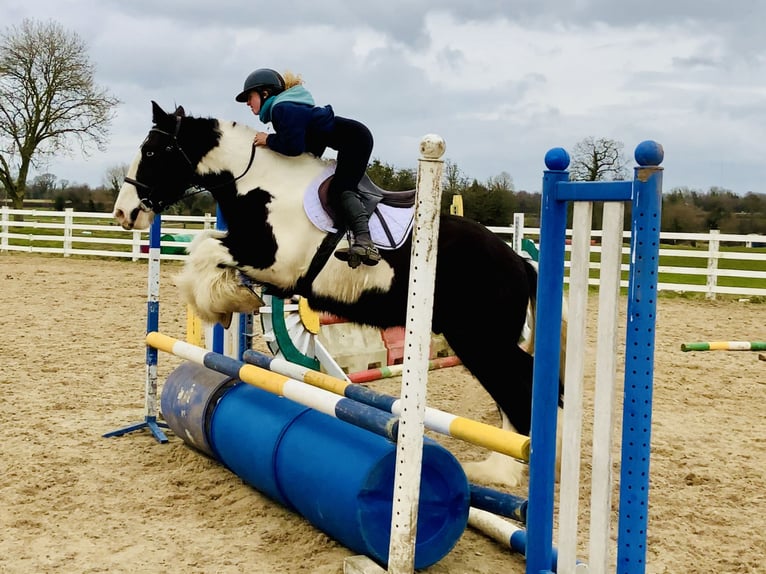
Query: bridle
[(147, 204)]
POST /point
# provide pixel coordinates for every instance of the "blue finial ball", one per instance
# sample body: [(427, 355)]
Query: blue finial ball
[(649, 153), (557, 159)]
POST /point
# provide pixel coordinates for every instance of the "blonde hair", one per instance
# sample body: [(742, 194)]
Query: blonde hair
[(291, 80)]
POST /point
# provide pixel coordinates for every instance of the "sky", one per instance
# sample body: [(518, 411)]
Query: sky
[(502, 81)]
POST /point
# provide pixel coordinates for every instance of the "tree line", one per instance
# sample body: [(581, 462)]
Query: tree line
[(50, 103), (494, 201)]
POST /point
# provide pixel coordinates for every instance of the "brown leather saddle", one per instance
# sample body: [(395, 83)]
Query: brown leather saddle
[(371, 195)]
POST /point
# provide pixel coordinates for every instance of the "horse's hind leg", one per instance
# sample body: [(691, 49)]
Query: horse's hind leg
[(505, 371), (508, 379), (509, 382)]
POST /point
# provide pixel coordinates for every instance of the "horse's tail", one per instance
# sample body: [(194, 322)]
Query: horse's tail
[(529, 341), (529, 335)]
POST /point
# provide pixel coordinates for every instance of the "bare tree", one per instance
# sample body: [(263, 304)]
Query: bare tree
[(598, 160), (501, 182), (454, 183), (114, 177), (42, 186), (48, 100)]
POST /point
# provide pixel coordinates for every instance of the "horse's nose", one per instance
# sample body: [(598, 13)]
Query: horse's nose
[(122, 218)]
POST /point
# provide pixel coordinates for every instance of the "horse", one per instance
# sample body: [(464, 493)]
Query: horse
[(482, 287)]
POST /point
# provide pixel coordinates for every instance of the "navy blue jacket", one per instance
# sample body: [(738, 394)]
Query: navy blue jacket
[(300, 128)]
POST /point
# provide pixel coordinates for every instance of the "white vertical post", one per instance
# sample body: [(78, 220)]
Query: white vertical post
[(5, 218), (604, 394), (571, 441), (409, 448), (135, 246), (712, 263), (68, 222), (518, 232), (152, 316)]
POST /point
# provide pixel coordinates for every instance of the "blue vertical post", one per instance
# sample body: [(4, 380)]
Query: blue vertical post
[(218, 345), (152, 324), (545, 389), (639, 359), (245, 334), (153, 288), (243, 325)]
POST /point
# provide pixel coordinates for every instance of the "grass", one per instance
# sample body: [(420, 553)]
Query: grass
[(701, 263)]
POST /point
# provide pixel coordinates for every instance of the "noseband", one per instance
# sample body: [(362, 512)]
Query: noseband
[(158, 206)]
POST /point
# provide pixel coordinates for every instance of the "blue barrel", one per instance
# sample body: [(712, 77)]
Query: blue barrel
[(338, 476), (188, 397), (245, 432)]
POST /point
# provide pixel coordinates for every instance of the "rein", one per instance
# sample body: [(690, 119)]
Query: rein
[(147, 204)]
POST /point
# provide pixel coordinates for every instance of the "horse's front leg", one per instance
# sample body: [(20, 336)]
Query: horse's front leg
[(211, 284)]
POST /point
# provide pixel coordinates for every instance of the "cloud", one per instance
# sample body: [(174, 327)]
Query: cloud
[(501, 81)]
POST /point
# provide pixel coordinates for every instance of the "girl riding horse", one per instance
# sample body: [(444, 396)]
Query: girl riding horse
[(303, 127)]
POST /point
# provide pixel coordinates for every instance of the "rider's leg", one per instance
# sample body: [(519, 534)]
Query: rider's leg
[(362, 250), (353, 141)]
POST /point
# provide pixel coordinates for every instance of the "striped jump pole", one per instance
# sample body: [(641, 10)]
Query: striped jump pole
[(498, 503), (725, 346), (350, 410), (504, 532), (474, 432), (479, 434), (361, 415), (389, 371)]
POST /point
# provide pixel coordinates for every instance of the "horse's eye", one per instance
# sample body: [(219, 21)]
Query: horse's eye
[(149, 153)]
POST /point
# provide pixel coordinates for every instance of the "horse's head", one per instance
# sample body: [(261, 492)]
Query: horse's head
[(159, 175)]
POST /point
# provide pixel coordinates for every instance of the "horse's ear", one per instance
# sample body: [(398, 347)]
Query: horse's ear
[(157, 112), (180, 112)]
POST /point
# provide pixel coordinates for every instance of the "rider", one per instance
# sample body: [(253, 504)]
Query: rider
[(302, 127)]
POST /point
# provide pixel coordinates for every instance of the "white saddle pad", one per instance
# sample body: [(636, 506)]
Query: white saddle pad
[(399, 220)]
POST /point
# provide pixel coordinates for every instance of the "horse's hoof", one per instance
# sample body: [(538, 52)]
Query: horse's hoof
[(495, 469)]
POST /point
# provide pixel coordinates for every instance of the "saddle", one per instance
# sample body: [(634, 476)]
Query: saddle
[(391, 212)]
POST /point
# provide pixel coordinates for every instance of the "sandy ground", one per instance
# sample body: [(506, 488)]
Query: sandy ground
[(72, 368)]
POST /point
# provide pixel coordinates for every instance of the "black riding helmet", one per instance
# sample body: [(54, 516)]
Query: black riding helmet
[(262, 78)]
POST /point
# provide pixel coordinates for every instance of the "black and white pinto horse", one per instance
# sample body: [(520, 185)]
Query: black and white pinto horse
[(482, 288)]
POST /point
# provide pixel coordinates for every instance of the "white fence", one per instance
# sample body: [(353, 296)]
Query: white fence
[(722, 267), (94, 234), (728, 260)]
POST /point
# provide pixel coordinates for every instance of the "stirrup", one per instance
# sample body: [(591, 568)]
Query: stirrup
[(360, 252)]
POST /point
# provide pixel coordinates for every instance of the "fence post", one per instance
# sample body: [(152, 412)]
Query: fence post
[(5, 217), (68, 223), (712, 263), (209, 221), (136, 245), (518, 232)]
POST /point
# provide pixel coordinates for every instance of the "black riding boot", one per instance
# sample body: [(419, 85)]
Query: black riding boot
[(362, 250)]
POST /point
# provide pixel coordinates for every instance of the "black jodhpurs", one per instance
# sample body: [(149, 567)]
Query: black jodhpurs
[(353, 142)]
